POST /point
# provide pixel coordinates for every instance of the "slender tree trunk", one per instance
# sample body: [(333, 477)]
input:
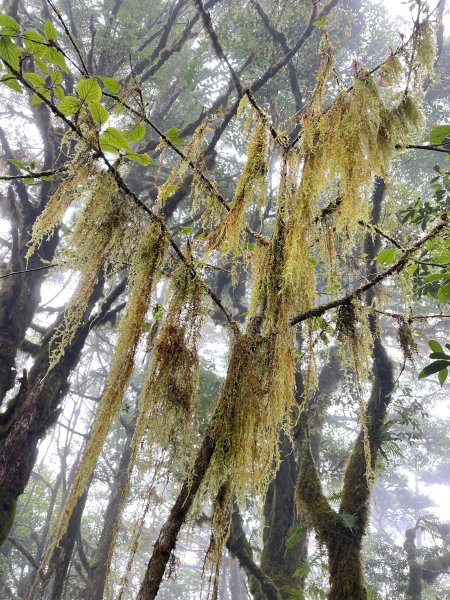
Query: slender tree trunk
[(62, 554), (99, 564), (277, 561), (165, 544)]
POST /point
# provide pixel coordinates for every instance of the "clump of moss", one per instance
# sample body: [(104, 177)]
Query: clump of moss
[(406, 340), (102, 238), (169, 396), (425, 47)]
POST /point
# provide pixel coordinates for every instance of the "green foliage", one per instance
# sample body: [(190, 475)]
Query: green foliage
[(296, 532), (88, 90), (440, 364), (173, 137)]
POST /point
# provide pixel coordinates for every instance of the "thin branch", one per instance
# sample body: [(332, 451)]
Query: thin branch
[(397, 267), (35, 175), (69, 35), (409, 318), (29, 270), (273, 132), (217, 46), (21, 548), (432, 147), (382, 233)]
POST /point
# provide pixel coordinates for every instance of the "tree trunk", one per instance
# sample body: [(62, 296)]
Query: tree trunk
[(62, 555), (99, 564), (346, 569), (278, 562), (33, 411), (165, 544)]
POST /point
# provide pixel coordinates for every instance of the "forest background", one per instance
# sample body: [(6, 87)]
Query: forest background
[(199, 202)]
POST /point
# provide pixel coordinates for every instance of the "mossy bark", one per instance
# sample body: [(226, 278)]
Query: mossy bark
[(31, 413), (261, 585), (61, 556), (280, 515)]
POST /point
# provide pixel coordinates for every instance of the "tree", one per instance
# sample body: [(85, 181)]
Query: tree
[(322, 171)]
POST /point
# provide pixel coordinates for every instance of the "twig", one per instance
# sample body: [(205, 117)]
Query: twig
[(29, 270), (69, 35), (35, 175), (395, 268)]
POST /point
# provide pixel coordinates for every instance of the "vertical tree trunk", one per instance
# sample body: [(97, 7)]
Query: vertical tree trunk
[(99, 564)]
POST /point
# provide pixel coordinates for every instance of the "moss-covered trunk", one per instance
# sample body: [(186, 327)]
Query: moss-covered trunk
[(61, 556), (32, 412), (279, 561), (346, 569)]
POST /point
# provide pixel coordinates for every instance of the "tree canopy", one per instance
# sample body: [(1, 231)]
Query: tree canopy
[(265, 188)]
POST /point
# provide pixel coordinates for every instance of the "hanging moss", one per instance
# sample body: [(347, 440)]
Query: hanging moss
[(102, 238), (168, 403), (406, 340), (251, 185), (70, 188), (144, 274)]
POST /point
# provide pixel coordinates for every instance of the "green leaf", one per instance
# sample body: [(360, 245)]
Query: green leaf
[(442, 376), (320, 22), (295, 533), (12, 83), (10, 52), (56, 77), (435, 346), (439, 133), (17, 163), (110, 84), (69, 105), (88, 90), (440, 355), (56, 57), (36, 80), (185, 230), (28, 180), (143, 159), (9, 25), (113, 140), (42, 65), (36, 99), (158, 313), (434, 367), (165, 193), (443, 294), (136, 134), (50, 31), (172, 136), (349, 520), (387, 257), (433, 277), (98, 112), (36, 44)]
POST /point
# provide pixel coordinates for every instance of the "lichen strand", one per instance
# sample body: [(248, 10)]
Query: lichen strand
[(356, 343), (425, 47), (69, 189), (251, 186), (168, 403), (145, 271), (101, 239)]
